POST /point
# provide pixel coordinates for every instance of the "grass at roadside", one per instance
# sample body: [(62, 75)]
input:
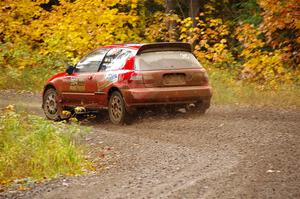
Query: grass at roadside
[(23, 68), (32, 147), (227, 90), (27, 79)]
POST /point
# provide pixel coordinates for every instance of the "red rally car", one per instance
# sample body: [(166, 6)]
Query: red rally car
[(125, 77)]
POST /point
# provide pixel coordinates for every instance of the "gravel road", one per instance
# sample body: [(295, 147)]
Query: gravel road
[(230, 152)]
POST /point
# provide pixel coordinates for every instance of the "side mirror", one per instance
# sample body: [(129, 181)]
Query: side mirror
[(70, 69)]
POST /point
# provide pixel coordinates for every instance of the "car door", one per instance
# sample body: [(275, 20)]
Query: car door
[(81, 85)]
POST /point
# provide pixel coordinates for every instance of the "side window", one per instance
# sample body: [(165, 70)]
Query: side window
[(91, 62), (115, 59)]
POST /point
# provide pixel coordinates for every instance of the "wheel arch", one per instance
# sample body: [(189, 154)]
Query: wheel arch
[(111, 90), (48, 86), (127, 112)]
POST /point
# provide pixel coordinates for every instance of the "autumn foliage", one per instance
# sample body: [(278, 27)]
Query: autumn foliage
[(258, 39)]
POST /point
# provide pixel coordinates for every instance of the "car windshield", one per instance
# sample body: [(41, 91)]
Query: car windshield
[(166, 60)]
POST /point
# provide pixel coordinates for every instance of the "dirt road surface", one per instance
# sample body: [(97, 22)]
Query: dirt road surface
[(230, 152)]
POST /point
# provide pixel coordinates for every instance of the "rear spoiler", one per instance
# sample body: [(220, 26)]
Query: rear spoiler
[(164, 46)]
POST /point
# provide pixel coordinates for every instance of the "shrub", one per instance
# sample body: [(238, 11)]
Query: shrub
[(32, 147), (262, 65), (210, 39), (227, 89), (21, 67)]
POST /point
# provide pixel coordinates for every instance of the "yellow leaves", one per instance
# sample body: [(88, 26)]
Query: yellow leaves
[(10, 108), (209, 8), (134, 4), (73, 119), (72, 28), (66, 114), (203, 42), (248, 35), (79, 109), (246, 53), (22, 188), (183, 29), (161, 2), (267, 68), (280, 15), (187, 22), (211, 35), (223, 41), (159, 28), (215, 22)]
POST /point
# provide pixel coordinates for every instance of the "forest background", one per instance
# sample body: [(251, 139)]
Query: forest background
[(249, 47)]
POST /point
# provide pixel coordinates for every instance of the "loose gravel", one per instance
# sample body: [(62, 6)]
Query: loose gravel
[(230, 152)]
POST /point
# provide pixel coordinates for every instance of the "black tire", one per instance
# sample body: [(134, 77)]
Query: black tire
[(117, 109), (51, 106), (202, 106), (171, 109), (201, 109)]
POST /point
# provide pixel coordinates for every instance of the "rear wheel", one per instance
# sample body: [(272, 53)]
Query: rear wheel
[(51, 106), (117, 109)]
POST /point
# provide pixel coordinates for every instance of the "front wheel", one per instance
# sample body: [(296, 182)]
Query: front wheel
[(117, 109), (51, 106)]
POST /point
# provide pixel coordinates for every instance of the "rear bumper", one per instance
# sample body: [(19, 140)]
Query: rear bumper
[(166, 95)]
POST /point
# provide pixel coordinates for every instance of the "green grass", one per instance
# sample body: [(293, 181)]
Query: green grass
[(27, 79), (227, 90), (32, 147), (23, 68)]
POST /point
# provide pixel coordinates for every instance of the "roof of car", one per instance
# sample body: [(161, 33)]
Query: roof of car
[(148, 46)]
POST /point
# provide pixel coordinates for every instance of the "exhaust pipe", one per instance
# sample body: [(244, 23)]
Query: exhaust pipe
[(190, 106)]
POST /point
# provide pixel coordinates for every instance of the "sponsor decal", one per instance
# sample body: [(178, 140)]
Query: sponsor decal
[(77, 84), (110, 78)]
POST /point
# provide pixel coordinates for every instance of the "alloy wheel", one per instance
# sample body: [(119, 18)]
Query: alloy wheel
[(51, 106), (116, 108)]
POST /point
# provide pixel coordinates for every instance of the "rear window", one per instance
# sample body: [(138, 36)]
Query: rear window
[(166, 60)]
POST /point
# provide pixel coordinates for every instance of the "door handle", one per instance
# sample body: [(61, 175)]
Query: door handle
[(90, 77)]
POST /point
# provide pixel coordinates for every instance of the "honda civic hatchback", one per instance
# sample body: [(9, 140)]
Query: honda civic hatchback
[(122, 78)]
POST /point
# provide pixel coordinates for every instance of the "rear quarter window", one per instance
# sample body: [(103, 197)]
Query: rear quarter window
[(115, 59), (166, 60)]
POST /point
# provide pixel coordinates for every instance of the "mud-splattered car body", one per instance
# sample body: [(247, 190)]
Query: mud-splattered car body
[(135, 72)]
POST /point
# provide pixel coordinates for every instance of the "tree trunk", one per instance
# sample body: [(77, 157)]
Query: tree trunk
[(194, 10), (170, 6), (171, 24)]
